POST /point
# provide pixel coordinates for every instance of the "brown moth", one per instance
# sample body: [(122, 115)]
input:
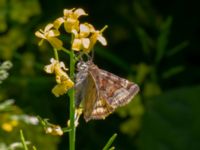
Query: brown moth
[(101, 92)]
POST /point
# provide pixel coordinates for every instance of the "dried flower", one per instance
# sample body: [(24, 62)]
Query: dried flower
[(54, 130)]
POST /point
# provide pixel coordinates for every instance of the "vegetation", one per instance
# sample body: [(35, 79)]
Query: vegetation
[(151, 43)]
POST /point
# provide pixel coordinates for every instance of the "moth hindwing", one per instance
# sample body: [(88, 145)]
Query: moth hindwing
[(101, 92)]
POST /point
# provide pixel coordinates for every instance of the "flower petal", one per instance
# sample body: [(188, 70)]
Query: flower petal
[(77, 44), (58, 22), (49, 68), (59, 89), (62, 66), (75, 33), (62, 88), (71, 24), (68, 12), (84, 30), (85, 43), (48, 27), (79, 12), (53, 33), (92, 29), (102, 40), (55, 42), (40, 35)]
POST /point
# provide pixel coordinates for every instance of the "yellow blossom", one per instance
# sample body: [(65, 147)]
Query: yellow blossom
[(14, 123), (81, 39), (71, 16), (64, 83), (96, 36), (62, 88), (50, 34), (7, 127), (87, 37)]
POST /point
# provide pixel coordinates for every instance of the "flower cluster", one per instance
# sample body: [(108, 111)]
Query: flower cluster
[(83, 38), (63, 81), (84, 35)]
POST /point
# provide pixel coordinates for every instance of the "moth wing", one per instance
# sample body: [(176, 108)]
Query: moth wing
[(91, 96), (81, 82), (101, 110), (115, 90), (94, 106)]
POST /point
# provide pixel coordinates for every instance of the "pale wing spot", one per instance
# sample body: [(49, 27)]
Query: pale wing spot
[(119, 96), (125, 83)]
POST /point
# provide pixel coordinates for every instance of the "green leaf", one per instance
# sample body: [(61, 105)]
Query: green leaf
[(178, 48), (144, 39), (112, 148), (162, 40), (110, 141), (173, 71)]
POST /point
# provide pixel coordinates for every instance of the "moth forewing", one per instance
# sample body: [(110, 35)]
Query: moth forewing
[(115, 90), (91, 96)]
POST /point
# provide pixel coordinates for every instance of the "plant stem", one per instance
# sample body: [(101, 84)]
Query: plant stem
[(66, 50), (56, 54), (23, 140), (72, 105)]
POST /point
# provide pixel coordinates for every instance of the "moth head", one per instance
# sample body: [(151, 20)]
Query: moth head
[(82, 65)]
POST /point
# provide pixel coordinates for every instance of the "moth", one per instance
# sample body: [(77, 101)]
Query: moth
[(101, 92)]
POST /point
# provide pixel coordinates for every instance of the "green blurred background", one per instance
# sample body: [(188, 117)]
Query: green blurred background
[(153, 43)]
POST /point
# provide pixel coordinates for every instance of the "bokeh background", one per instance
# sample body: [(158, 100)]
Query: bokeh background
[(153, 43)]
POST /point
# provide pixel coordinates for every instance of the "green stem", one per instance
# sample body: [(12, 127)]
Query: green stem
[(23, 140), (66, 50), (72, 105), (56, 54)]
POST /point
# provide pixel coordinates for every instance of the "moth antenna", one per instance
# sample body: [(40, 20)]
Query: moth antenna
[(89, 58), (92, 55)]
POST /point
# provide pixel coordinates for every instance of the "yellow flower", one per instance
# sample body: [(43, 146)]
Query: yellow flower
[(81, 39), (50, 34), (64, 83), (71, 21), (8, 126), (87, 37), (96, 36), (14, 123)]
